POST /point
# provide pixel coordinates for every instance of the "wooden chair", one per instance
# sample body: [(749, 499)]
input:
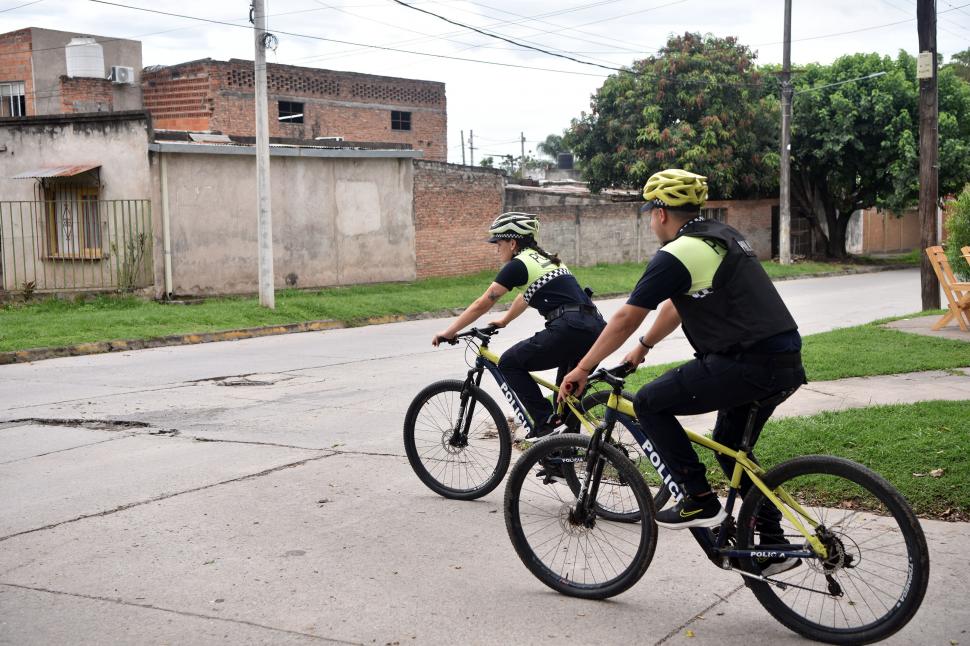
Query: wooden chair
[(965, 251), (957, 294)]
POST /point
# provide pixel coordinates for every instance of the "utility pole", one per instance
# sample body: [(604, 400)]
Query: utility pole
[(522, 158), (462, 147), (784, 181), (928, 148), (267, 297), (471, 146)]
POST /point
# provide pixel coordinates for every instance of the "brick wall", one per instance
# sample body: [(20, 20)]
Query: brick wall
[(752, 218), (218, 95), (179, 98), (15, 63), (86, 95), (453, 206)]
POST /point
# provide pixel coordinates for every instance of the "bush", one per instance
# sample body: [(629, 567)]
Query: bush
[(958, 234)]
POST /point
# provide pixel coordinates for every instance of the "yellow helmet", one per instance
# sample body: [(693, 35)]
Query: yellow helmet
[(676, 187)]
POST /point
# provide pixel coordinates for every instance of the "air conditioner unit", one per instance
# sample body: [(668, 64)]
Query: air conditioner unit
[(122, 75)]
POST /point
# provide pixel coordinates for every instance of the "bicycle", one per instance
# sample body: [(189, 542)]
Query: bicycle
[(459, 443), (859, 564)]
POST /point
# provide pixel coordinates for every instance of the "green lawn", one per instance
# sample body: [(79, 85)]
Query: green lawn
[(48, 323), (860, 351), (908, 444)]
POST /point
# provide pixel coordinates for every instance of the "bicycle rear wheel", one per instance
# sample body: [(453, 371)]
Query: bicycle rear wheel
[(874, 578), (462, 459), (581, 555), (616, 505)]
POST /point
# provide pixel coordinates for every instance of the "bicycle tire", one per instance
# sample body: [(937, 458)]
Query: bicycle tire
[(625, 441), (872, 526), (560, 551), (454, 471)]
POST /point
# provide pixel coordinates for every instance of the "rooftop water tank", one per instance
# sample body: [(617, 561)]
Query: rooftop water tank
[(85, 57)]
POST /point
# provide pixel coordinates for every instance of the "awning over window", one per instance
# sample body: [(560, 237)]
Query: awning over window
[(56, 171)]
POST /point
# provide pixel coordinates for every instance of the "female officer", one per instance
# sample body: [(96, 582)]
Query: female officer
[(572, 321)]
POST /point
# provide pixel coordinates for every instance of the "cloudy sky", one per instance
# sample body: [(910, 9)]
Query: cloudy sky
[(499, 90)]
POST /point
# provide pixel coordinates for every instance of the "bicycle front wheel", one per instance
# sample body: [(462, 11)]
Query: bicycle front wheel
[(458, 443), (874, 576), (615, 503), (573, 550)]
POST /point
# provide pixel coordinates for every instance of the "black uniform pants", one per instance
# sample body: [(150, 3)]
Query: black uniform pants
[(725, 383), (560, 345)]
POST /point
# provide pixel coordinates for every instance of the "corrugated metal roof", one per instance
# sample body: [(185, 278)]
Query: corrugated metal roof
[(56, 171)]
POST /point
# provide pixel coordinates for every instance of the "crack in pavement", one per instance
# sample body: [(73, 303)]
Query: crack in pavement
[(182, 613), (108, 512), (699, 615), (70, 448)]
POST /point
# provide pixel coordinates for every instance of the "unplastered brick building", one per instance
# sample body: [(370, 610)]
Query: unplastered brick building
[(46, 72), (304, 104)]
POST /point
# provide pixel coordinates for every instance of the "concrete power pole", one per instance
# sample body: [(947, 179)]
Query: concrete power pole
[(784, 180), (267, 297), (471, 146), (522, 158), (928, 148), (462, 147)]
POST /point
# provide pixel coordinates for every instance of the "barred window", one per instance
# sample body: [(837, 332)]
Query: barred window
[(291, 112), (400, 120), (720, 214), (13, 99), (73, 221)]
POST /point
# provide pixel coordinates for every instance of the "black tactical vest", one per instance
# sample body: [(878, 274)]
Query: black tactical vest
[(741, 308)]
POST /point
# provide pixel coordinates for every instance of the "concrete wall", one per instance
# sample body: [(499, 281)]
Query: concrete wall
[(50, 64), (336, 221), (752, 218), (116, 141), (873, 231)]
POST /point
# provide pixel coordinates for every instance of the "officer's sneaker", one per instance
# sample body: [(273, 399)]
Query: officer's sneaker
[(545, 427), (771, 566), (693, 512)]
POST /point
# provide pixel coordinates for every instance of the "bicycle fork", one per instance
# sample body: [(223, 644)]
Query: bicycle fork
[(466, 409)]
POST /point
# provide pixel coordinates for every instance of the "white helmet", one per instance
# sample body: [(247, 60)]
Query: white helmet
[(514, 226)]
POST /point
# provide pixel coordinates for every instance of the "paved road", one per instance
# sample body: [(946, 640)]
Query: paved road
[(256, 492)]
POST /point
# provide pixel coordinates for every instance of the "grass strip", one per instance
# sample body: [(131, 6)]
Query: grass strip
[(59, 322), (919, 448)]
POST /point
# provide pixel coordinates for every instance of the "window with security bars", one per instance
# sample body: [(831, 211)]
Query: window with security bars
[(290, 112), (73, 221), (13, 99), (719, 214), (400, 120)]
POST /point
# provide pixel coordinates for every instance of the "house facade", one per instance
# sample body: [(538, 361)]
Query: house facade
[(305, 104), (45, 71)]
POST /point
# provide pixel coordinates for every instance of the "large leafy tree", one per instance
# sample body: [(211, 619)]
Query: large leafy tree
[(960, 64), (855, 140), (699, 104)]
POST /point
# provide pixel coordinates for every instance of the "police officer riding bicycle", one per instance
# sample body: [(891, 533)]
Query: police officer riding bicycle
[(572, 321), (708, 280)]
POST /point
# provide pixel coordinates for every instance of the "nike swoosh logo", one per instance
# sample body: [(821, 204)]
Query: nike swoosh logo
[(687, 514)]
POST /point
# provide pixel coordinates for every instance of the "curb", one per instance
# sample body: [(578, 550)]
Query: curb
[(122, 345)]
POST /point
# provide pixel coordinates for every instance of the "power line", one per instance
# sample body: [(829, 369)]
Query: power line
[(344, 42), (26, 4), (503, 38)]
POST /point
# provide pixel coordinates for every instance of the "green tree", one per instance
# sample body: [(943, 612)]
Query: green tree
[(855, 140), (699, 104), (958, 234), (487, 162), (551, 147), (960, 64)]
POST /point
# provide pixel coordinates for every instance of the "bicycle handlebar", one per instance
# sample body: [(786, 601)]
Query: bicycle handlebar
[(481, 334)]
